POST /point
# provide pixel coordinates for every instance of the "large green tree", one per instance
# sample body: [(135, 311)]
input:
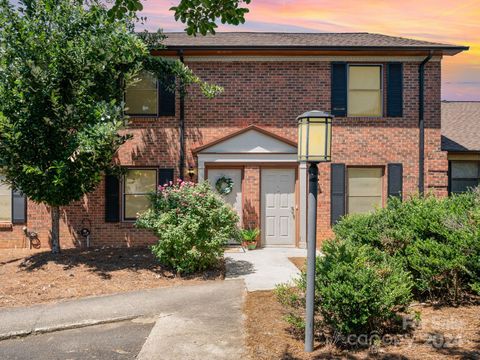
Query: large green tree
[(64, 66)]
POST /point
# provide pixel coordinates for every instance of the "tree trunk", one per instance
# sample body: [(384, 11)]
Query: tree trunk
[(55, 232)]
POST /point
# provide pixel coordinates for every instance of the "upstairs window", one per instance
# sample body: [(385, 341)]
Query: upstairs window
[(138, 185), (141, 98), (364, 189), (365, 90), (464, 175)]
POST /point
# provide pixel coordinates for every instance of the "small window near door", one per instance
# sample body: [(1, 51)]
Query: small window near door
[(5, 201), (365, 90), (364, 189), (138, 184), (464, 175)]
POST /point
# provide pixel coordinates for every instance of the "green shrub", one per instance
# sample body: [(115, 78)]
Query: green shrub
[(436, 239), (358, 289), (193, 225)]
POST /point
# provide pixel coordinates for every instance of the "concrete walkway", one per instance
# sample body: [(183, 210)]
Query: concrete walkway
[(264, 268), (193, 322)]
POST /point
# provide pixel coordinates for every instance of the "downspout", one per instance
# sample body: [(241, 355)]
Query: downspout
[(181, 130), (421, 124)]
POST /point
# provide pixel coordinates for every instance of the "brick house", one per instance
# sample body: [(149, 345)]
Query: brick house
[(461, 140), (384, 92)]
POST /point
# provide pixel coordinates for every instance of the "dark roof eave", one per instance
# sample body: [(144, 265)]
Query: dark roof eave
[(448, 50), (459, 151)]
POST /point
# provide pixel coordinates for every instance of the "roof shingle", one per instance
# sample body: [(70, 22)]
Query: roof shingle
[(461, 126), (303, 40)]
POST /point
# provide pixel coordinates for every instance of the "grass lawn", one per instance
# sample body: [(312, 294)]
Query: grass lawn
[(29, 278), (444, 333)]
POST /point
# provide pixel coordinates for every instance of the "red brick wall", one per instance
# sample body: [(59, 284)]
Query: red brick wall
[(271, 95)]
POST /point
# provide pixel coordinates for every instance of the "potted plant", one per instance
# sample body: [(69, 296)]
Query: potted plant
[(249, 237)]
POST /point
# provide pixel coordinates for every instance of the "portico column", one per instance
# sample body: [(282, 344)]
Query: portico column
[(302, 178), (201, 170)]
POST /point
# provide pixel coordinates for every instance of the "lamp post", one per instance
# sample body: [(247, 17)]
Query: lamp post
[(314, 146)]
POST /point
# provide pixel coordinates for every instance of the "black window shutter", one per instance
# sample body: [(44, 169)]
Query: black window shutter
[(19, 207), (395, 180), (337, 206), (339, 89), (395, 89), (167, 97), (112, 199), (164, 176)]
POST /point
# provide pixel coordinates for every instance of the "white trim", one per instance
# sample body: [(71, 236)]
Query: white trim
[(311, 58), (246, 158)]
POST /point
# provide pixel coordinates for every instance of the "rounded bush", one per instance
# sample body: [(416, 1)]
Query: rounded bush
[(436, 239), (193, 225), (358, 289)]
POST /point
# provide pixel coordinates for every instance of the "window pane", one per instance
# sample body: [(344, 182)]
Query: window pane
[(365, 181), (5, 201), (364, 103), (135, 204), (465, 169), (140, 181), (141, 98), (364, 91), (364, 189), (459, 186), (364, 77), (362, 205)]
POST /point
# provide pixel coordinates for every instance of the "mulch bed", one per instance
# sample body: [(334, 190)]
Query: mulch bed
[(444, 333), (28, 277)]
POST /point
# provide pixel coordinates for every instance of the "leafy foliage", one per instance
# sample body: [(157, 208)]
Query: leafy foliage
[(199, 15), (250, 235), (436, 239), (193, 225), (358, 289), (62, 66)]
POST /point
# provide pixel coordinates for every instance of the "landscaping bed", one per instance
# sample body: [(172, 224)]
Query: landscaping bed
[(445, 333), (29, 278)]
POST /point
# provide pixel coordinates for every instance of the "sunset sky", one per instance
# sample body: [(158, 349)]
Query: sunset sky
[(448, 21)]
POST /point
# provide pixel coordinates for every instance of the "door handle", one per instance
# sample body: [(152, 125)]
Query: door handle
[(292, 209)]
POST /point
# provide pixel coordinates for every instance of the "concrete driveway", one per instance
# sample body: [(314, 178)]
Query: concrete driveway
[(264, 268), (186, 322)]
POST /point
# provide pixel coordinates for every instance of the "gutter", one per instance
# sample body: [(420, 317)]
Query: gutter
[(421, 124), (181, 129)]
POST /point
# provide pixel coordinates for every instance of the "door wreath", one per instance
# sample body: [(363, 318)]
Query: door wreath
[(224, 185)]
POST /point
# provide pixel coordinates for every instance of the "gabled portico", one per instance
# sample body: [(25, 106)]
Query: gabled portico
[(272, 189)]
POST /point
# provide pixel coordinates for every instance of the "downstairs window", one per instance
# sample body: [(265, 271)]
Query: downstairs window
[(364, 189)]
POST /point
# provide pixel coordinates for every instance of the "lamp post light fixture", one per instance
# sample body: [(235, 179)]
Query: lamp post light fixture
[(314, 146)]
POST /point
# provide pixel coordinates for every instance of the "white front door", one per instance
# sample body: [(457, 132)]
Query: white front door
[(234, 198), (278, 207)]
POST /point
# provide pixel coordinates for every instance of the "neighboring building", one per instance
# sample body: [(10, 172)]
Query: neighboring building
[(461, 138), (386, 139)]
